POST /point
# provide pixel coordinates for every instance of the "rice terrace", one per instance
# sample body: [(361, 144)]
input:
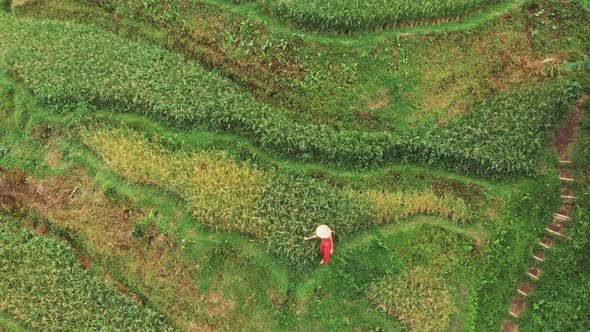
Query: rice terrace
[(282, 165)]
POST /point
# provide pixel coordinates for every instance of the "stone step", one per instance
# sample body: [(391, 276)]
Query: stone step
[(517, 305), (539, 255), (560, 217), (566, 193), (534, 272), (565, 175), (525, 289), (557, 228), (546, 243), (565, 162), (509, 326)]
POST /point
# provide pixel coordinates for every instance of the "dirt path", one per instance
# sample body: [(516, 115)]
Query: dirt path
[(565, 135)]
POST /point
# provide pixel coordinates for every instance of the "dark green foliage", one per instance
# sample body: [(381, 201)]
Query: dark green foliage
[(146, 227), (502, 135), (42, 285), (580, 65)]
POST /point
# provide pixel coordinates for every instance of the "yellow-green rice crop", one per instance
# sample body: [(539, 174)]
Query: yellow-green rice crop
[(222, 193), (274, 206), (393, 206), (420, 300)]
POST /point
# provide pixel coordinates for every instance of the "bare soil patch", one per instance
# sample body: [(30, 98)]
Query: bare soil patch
[(565, 209), (517, 305)]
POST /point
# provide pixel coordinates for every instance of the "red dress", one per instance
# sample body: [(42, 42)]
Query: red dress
[(325, 249)]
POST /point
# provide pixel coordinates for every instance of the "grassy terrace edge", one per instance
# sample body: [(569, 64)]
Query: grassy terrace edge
[(253, 11)]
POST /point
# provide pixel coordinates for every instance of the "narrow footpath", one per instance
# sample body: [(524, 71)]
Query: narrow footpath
[(556, 230)]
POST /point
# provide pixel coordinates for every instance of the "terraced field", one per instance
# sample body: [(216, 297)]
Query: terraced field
[(162, 161), (347, 15)]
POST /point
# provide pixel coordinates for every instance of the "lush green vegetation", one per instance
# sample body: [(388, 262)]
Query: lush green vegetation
[(384, 81), (43, 286), (423, 248), (526, 213), (561, 300), (143, 238), (218, 260), (184, 148), (55, 64), (346, 15)]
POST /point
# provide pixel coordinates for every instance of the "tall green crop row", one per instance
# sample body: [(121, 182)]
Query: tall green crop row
[(65, 65), (502, 135), (331, 16), (349, 15), (43, 286)]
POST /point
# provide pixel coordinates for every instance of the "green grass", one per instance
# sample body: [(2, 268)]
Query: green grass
[(8, 324), (386, 81), (367, 266), (276, 207), (242, 276), (560, 299), (474, 267), (225, 259), (525, 213)]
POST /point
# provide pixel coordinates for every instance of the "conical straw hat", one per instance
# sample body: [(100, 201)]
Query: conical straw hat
[(323, 231)]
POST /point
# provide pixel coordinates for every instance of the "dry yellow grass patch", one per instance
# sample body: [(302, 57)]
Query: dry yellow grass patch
[(223, 193), (394, 206)]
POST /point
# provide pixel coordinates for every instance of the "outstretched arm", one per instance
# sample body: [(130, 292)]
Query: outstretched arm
[(310, 237)]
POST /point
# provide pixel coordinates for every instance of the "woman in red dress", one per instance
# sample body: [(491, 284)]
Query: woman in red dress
[(327, 245)]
